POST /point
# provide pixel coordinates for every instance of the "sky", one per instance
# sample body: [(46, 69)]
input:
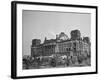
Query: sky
[(41, 24)]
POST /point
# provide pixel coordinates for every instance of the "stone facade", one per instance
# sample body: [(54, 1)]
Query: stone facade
[(63, 45)]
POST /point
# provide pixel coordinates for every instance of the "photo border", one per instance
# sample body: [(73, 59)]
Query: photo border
[(14, 38)]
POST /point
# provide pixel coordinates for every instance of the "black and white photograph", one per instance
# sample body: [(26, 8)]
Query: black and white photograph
[(53, 39)]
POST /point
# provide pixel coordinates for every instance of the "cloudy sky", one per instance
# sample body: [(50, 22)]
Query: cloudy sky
[(41, 24)]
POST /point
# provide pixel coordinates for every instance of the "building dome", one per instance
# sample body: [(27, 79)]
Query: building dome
[(63, 36)]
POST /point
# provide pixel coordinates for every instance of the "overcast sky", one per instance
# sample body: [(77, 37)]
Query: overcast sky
[(41, 24)]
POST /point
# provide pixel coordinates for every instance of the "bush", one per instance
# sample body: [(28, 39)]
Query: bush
[(53, 62)]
